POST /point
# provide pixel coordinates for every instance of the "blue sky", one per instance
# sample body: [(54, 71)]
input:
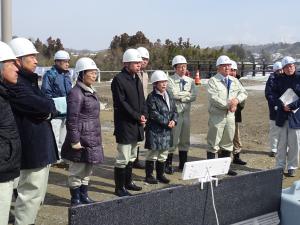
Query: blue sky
[(91, 24)]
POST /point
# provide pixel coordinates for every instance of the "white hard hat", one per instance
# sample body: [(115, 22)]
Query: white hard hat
[(5, 52), (158, 75), (61, 55), (178, 59), (223, 59), (132, 55), (22, 46), (277, 66), (233, 65), (287, 60), (85, 63), (143, 52)]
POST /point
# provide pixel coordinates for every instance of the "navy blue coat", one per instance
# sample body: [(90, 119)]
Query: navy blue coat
[(10, 144), (31, 110), (83, 125), (158, 134), (129, 106), (269, 96), (281, 84)]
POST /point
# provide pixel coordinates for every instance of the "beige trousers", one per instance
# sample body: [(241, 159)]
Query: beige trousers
[(79, 174), (6, 190), (126, 153), (157, 155), (31, 193)]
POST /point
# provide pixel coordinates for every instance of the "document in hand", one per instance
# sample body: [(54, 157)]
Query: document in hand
[(288, 97), (60, 104)]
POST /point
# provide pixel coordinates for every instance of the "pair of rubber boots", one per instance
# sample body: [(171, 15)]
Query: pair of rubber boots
[(124, 182), (222, 154), (182, 160), (160, 172), (79, 195)]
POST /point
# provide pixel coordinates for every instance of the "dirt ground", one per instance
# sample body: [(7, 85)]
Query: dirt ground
[(254, 134)]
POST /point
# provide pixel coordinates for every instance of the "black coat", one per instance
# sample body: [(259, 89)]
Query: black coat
[(83, 125), (10, 144), (32, 110), (238, 112), (158, 134), (129, 106)]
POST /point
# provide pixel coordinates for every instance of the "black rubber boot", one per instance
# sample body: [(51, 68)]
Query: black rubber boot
[(182, 159), (237, 160), (120, 189), (210, 155), (168, 168), (15, 192), (221, 154), (75, 196), (84, 198), (137, 164), (150, 179), (160, 170), (228, 154), (129, 184)]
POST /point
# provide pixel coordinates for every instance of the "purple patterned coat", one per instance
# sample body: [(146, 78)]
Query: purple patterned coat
[(83, 125)]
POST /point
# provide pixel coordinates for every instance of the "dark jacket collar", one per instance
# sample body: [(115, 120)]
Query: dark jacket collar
[(32, 77), (128, 75), (3, 90), (59, 70)]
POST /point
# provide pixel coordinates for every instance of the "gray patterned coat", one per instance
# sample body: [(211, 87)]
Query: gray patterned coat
[(158, 134)]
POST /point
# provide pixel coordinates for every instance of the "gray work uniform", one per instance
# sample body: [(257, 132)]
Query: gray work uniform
[(221, 123), (184, 93)]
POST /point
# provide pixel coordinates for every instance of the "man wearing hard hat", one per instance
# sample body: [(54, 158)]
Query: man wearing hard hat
[(287, 116), (184, 91), (130, 113), (273, 131), (32, 111), (224, 94), (10, 143), (143, 75), (56, 85)]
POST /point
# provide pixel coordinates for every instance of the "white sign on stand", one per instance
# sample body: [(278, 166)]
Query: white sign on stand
[(206, 170)]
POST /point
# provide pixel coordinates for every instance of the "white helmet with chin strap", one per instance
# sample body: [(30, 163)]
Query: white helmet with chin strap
[(178, 59), (61, 55), (223, 59), (144, 52), (22, 47), (233, 65), (287, 60), (277, 66), (6, 52), (85, 63), (158, 75), (132, 55)]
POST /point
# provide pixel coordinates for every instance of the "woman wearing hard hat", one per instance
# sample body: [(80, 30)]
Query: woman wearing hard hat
[(10, 156), (83, 144), (287, 116), (32, 111), (162, 119), (184, 91)]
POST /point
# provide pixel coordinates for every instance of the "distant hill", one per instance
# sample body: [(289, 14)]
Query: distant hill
[(292, 49)]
